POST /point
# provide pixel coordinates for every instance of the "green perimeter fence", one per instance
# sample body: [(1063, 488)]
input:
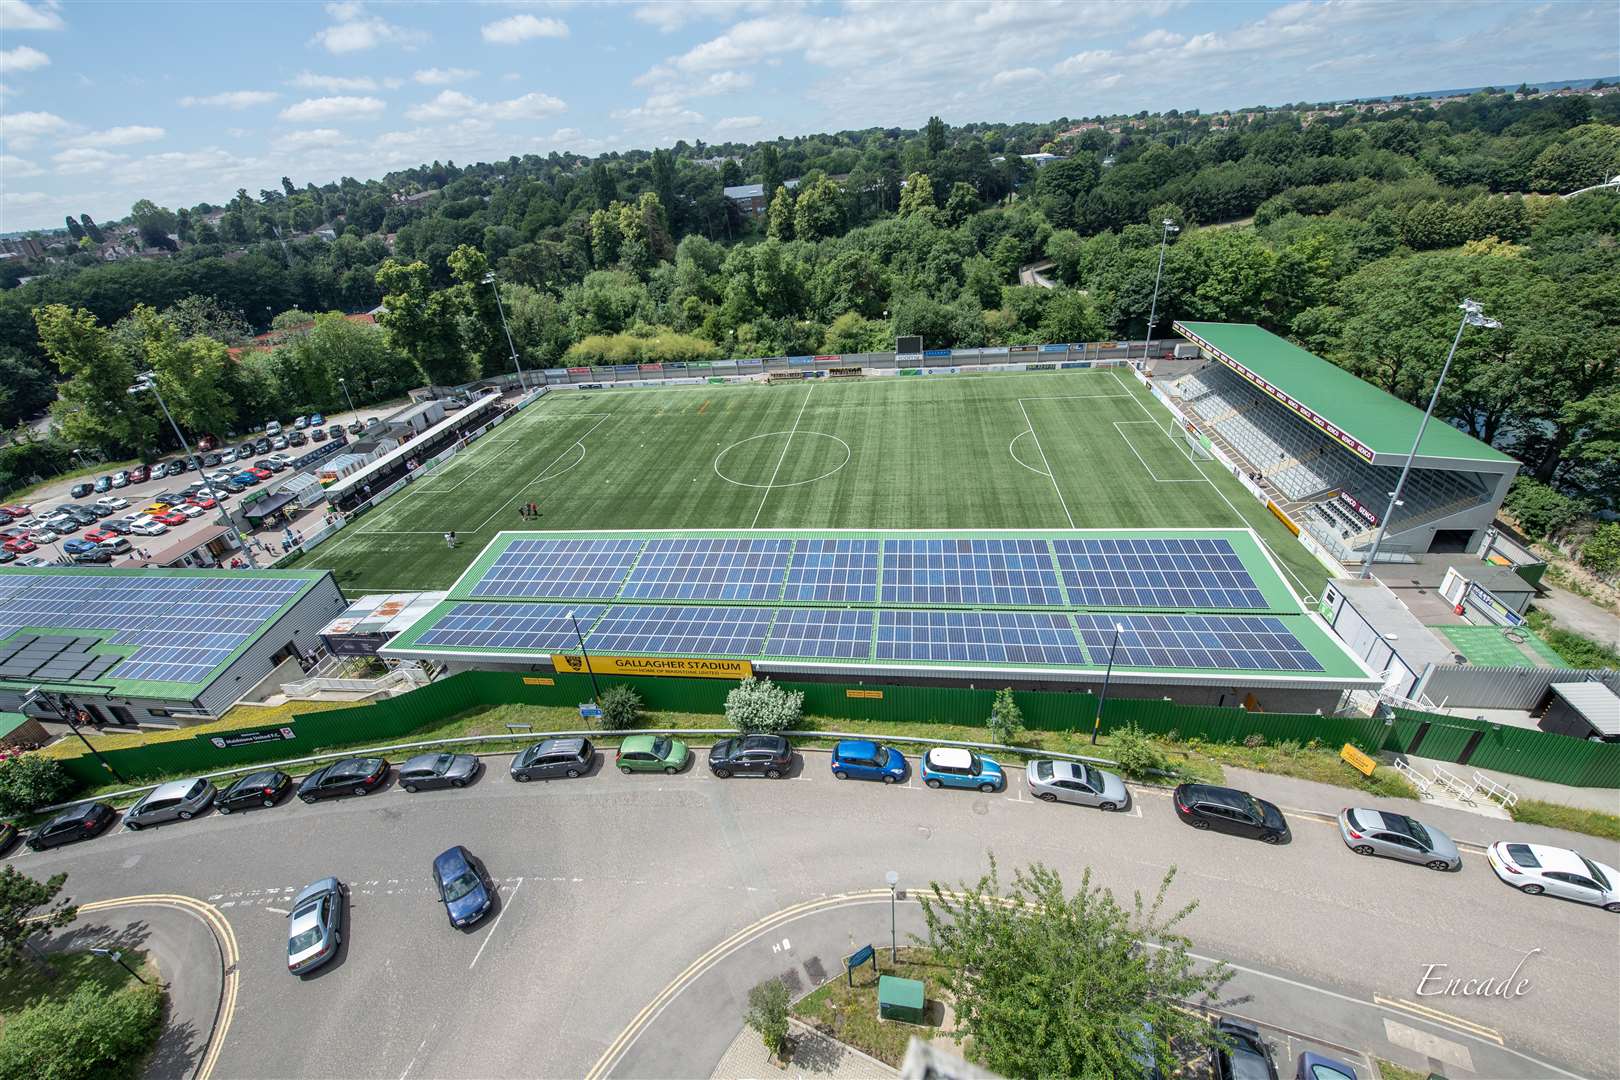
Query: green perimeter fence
[(1528, 753)]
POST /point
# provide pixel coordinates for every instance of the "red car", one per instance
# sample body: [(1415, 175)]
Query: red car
[(98, 536), (203, 501), (140, 474), (16, 510), (262, 474), (20, 545), (173, 517)]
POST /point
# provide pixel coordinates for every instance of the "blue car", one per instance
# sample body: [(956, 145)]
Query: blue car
[(76, 546), (246, 478), (953, 766), (317, 420), (866, 760), (462, 891)]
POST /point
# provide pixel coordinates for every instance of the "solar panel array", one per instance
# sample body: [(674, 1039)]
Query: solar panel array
[(540, 627), (1001, 637), (586, 569), (1240, 642), (833, 571), (843, 633), (951, 571), (709, 570), (680, 630), (179, 628), (1180, 573)]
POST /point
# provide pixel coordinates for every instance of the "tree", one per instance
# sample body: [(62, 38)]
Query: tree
[(29, 907), (1006, 718), (818, 211), (423, 324), (918, 197), (731, 174), (1062, 185), (287, 186), (758, 706), (770, 171), (481, 332), (1049, 984), (155, 223), (603, 187), (89, 1035), (31, 780), (93, 406), (191, 371), (934, 137), (961, 204), (1601, 552), (621, 708), (768, 1013), (74, 229)]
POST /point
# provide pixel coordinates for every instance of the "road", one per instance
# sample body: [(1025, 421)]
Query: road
[(611, 886)]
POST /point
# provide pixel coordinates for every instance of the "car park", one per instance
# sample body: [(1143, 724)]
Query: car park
[(465, 894), (81, 821), (427, 771), (264, 788), (103, 484), (314, 926), (178, 800), (113, 502), (1205, 806), (120, 479), (954, 766), (1241, 1053), (1384, 832), (351, 776), (652, 753), (80, 490), (1313, 1066), (862, 759), (1075, 782), (763, 755), (1541, 868), (551, 758)]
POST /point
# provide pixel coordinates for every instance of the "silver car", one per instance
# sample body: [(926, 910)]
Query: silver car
[(315, 926), (1380, 832), (1539, 868), (178, 800), (427, 771), (1076, 782)]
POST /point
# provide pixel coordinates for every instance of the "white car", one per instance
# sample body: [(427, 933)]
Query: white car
[(146, 526), (219, 476), (1540, 868), (112, 502), (31, 560), (121, 479), (191, 510), (227, 457)]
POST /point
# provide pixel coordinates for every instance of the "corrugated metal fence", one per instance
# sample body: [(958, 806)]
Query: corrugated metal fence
[(1520, 751), (1475, 686)]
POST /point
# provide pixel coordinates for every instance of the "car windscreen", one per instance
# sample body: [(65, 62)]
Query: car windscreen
[(660, 746), (1400, 823), (308, 939), (460, 885), (1091, 776), (1592, 868), (441, 765), (1043, 770)]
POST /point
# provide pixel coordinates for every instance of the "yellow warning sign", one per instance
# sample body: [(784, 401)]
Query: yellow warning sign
[(1357, 760), (686, 667)]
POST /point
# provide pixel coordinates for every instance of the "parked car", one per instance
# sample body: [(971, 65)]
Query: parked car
[(113, 502), (178, 800), (63, 524), (466, 896), (255, 789), (351, 776), (202, 502), (273, 428), (78, 546), (95, 556), (228, 457), (1242, 1055), (149, 527), (867, 760), (315, 926), (8, 836), (120, 479), (117, 545), (177, 467), (1384, 832), (301, 423), (80, 490), (211, 460), (356, 427), (232, 486), (318, 434), (652, 753), (116, 525), (188, 510), (551, 758), (1313, 1066), (258, 473), (245, 478), (1076, 782), (20, 545), (140, 474), (767, 755), (335, 432), (281, 442), (954, 766), (1205, 806), (46, 535), (246, 450), (155, 507), (7, 556), (80, 821), (171, 518), (269, 465), (1556, 871), (261, 446), (316, 420), (16, 510), (26, 560), (103, 484), (426, 771)]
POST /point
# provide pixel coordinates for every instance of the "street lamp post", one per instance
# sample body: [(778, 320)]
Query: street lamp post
[(596, 693), (1153, 312), (118, 958), (1473, 315), (63, 708), (346, 396), (893, 878), (147, 380), (489, 279), (1096, 720)]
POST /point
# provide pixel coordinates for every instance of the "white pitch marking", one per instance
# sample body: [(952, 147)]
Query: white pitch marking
[(785, 447), (1119, 425), (1037, 439)]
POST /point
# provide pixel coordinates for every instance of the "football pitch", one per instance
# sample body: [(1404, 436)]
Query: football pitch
[(1082, 449)]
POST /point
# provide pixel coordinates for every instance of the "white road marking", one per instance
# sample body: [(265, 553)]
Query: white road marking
[(496, 925), (278, 911)]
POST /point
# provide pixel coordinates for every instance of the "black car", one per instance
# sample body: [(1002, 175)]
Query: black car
[(553, 757), (8, 836), (318, 434), (104, 484), (122, 528), (769, 755), (255, 789), (296, 438), (352, 776), (177, 467), (1242, 1053), (235, 487), (426, 771), (82, 514), (79, 822), (79, 491), (262, 446), (99, 556), (1204, 806)]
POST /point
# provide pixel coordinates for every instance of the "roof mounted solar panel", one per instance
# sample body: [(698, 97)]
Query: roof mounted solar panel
[(565, 569), (537, 627), (1195, 573), (989, 572), (681, 630), (1223, 642), (978, 637), (747, 569)]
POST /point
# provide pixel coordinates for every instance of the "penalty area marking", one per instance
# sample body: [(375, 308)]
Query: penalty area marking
[(1119, 425), (1013, 442), (848, 454)]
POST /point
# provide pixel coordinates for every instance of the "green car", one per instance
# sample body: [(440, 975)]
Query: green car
[(652, 753)]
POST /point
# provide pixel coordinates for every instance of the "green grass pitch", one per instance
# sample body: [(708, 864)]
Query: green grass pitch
[(1083, 449)]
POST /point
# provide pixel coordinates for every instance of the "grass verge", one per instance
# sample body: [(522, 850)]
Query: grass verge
[(25, 984), (1570, 818), (1576, 649), (850, 1014), (1392, 1071)]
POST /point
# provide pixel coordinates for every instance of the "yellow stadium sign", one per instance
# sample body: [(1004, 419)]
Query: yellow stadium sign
[(1357, 760), (878, 694), (686, 667), (538, 681)]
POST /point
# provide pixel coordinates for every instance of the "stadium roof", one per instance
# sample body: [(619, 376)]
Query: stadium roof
[(1204, 606), (146, 633), (1377, 426)]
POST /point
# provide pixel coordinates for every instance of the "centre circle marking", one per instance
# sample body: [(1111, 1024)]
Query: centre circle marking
[(793, 434)]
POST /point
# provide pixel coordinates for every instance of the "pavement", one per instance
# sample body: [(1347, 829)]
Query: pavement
[(1579, 614), (1604, 800), (634, 913), (814, 1055)]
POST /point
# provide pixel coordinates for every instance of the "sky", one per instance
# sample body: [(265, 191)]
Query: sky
[(104, 103)]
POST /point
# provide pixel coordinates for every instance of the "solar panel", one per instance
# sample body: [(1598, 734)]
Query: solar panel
[(537, 627), (583, 569), (840, 632), (1137, 573), (1002, 637), (709, 570), (701, 631), (833, 571), (950, 571), (1233, 642)]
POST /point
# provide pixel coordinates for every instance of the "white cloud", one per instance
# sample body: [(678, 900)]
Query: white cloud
[(453, 103), (669, 17), (308, 80), (22, 58), (355, 31), (119, 136), (85, 159), (1014, 76), (449, 103), (738, 123), (303, 140), (13, 167), (520, 28), (332, 108), (233, 99), (23, 198), (22, 130), (443, 76), (1084, 63), (1159, 38), (531, 106), (16, 15)]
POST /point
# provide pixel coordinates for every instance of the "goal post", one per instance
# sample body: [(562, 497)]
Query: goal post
[(1197, 443)]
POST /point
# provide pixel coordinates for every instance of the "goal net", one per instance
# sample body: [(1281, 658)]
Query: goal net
[(1197, 444)]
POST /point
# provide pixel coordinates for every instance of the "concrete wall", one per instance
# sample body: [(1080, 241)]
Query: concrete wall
[(301, 626)]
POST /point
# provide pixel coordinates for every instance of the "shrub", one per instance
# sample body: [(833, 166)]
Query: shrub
[(1601, 552), (1006, 719), (1254, 739), (1138, 755), (621, 708), (89, 1035), (1539, 509), (757, 706), (31, 780), (768, 1013)]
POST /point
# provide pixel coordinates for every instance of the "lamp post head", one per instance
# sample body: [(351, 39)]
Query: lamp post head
[(1170, 226), (893, 878), (489, 277), (1474, 315)]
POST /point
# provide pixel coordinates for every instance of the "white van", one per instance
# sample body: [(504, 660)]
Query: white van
[(273, 428)]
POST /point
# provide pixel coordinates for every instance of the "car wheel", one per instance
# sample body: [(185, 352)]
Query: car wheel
[(932, 783), (625, 769), (722, 774), (1439, 864), (773, 774), (1046, 796), (262, 802), (363, 790), (987, 788), (133, 826), (1195, 823), (458, 783), (1271, 838), (222, 808), (1107, 807), (887, 779), (408, 787), (669, 770), (1612, 907), (573, 774), (308, 798), (1532, 890), (839, 774), (1362, 849), (522, 778), (185, 815)]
